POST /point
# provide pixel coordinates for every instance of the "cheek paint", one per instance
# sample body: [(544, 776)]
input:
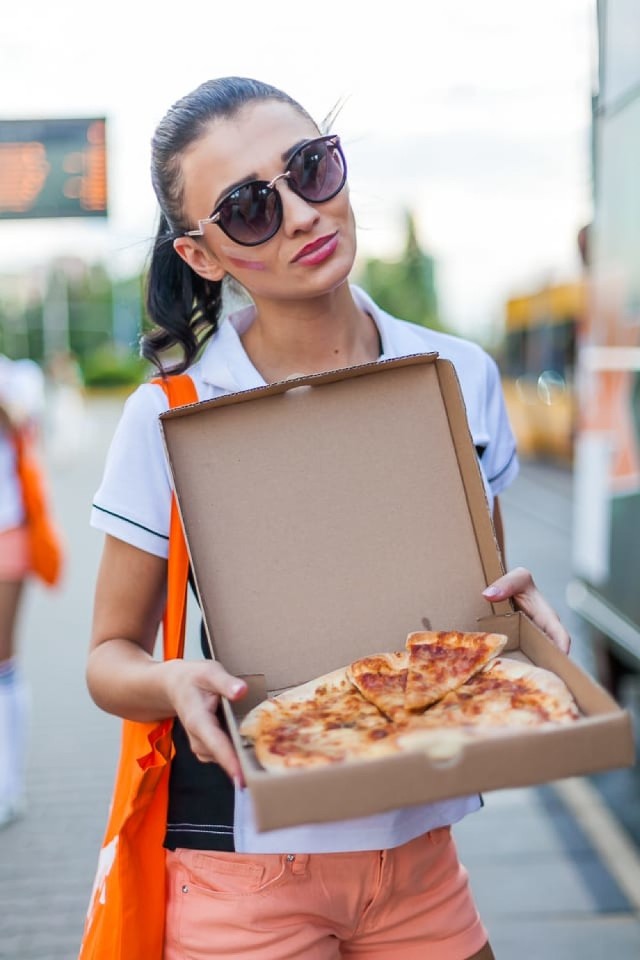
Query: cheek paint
[(242, 262), (247, 264)]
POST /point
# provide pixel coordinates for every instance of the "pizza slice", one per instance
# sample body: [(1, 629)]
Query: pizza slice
[(317, 723), (506, 695), (381, 679), (442, 661)]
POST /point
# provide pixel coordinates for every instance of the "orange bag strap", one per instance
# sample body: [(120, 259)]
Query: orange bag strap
[(180, 390)]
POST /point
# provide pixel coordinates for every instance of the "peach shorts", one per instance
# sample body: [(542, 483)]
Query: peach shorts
[(15, 559), (409, 903)]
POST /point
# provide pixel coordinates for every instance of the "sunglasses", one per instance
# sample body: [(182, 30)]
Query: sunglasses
[(252, 213)]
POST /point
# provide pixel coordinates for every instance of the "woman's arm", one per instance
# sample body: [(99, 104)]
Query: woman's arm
[(122, 675), (518, 585)]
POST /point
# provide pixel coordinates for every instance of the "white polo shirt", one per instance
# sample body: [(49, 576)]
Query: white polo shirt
[(134, 498)]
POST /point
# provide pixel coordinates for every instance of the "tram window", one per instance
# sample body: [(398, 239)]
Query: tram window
[(514, 353), (563, 348), (544, 346)]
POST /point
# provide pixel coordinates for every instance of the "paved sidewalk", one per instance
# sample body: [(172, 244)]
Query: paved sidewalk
[(544, 889)]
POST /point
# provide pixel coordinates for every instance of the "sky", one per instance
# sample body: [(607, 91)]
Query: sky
[(473, 116)]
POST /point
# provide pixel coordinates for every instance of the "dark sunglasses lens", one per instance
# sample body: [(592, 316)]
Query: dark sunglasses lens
[(251, 214), (318, 171)]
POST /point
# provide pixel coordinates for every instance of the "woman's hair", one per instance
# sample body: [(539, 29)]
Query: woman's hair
[(183, 306)]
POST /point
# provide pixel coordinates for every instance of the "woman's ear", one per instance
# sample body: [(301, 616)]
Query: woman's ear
[(201, 260)]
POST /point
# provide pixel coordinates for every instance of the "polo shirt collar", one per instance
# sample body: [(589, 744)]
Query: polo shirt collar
[(398, 338), (225, 363)]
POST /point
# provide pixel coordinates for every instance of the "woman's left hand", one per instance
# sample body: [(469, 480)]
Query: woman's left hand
[(519, 586)]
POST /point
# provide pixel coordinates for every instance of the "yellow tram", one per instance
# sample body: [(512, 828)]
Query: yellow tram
[(537, 362)]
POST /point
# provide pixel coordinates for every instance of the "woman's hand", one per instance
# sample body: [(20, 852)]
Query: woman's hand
[(518, 585), (194, 689), (124, 678)]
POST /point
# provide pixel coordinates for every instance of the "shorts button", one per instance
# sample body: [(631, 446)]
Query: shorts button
[(185, 888), (291, 857)]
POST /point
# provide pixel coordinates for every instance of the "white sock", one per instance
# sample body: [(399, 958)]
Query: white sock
[(14, 714)]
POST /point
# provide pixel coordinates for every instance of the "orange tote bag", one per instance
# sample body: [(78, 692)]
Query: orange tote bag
[(45, 541), (126, 915)]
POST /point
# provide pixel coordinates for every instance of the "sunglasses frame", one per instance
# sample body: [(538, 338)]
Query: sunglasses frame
[(332, 140)]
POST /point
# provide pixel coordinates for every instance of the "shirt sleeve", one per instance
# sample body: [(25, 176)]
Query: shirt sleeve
[(133, 501)]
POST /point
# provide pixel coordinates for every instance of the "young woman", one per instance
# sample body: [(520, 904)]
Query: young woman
[(250, 188), (21, 406)]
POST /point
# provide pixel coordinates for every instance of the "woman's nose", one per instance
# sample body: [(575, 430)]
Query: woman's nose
[(298, 215)]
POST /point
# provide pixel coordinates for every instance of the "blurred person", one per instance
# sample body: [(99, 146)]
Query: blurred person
[(21, 408), (251, 188)]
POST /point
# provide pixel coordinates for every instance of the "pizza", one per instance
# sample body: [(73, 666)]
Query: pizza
[(382, 681), (433, 663), (360, 711), (506, 695), (319, 722), (440, 661)]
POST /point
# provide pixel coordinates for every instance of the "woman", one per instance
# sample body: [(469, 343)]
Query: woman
[(251, 189), (21, 406)]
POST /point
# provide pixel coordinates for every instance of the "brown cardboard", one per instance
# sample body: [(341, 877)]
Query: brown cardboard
[(326, 518)]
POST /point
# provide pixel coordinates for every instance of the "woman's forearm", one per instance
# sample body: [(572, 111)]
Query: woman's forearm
[(125, 680)]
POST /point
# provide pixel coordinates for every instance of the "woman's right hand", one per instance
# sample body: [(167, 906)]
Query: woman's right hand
[(124, 678), (194, 689)]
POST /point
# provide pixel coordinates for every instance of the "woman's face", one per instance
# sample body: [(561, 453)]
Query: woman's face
[(313, 250)]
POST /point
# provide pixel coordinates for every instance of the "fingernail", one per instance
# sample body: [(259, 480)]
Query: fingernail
[(491, 592), (237, 687)]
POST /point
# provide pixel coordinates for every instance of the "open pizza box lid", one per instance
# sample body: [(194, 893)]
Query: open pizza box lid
[(326, 518)]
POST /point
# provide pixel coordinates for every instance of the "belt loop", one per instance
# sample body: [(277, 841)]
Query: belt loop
[(299, 863)]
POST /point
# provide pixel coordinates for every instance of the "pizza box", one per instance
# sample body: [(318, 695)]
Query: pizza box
[(326, 518)]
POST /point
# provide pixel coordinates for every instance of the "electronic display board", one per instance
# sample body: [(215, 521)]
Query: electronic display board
[(53, 168)]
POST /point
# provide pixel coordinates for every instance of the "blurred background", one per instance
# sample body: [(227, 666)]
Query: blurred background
[(493, 152)]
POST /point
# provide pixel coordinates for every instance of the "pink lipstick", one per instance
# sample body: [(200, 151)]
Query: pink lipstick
[(317, 251)]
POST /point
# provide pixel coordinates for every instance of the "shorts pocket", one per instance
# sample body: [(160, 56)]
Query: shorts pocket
[(226, 899), (232, 875)]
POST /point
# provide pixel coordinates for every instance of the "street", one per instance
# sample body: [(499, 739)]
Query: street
[(538, 521), (538, 874)]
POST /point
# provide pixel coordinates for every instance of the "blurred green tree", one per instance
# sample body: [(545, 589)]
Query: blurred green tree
[(76, 307), (406, 287), (90, 299)]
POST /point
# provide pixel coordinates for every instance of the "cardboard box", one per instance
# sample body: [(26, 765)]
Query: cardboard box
[(326, 518)]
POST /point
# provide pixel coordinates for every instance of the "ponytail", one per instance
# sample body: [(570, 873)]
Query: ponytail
[(183, 306)]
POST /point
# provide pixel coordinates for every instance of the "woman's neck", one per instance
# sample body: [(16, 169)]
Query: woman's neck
[(295, 338)]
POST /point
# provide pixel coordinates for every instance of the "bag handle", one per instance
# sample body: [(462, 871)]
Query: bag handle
[(180, 390)]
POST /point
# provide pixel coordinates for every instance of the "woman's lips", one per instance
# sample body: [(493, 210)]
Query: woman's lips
[(317, 251)]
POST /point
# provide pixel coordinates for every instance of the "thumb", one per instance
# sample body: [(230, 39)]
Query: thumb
[(225, 684)]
